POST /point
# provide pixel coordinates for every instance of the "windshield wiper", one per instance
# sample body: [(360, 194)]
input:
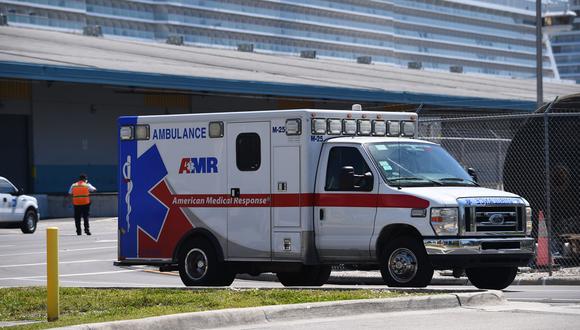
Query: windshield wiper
[(459, 179), (414, 178)]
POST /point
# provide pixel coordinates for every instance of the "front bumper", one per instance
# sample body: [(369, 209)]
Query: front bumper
[(477, 252)]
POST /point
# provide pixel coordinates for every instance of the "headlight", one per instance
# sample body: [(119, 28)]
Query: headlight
[(528, 220), (444, 221)]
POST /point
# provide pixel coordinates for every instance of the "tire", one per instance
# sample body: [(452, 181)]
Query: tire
[(199, 265), (29, 222), (308, 276), (405, 263), (492, 278)]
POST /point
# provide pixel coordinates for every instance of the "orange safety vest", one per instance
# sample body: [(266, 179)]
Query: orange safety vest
[(80, 192)]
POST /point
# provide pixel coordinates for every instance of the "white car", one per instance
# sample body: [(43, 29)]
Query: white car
[(17, 209)]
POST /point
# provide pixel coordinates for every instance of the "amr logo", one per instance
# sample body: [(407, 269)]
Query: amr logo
[(198, 165)]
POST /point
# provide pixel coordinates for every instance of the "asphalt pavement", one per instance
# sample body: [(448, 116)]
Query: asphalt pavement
[(87, 261)]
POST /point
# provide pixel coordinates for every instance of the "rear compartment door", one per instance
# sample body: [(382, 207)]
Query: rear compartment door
[(249, 218)]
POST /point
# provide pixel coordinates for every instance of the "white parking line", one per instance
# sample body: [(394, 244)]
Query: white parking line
[(64, 250), (60, 263), (71, 275)]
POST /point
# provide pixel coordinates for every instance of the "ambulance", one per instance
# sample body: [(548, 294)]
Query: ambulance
[(295, 192)]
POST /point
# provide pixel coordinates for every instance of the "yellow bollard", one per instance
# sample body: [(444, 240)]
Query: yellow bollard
[(52, 306)]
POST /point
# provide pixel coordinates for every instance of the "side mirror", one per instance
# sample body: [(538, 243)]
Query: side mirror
[(472, 173), (347, 178)]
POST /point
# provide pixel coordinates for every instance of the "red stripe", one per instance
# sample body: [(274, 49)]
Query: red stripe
[(298, 200)]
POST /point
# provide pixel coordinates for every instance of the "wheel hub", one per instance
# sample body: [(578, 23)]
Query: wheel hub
[(402, 265), (196, 264)]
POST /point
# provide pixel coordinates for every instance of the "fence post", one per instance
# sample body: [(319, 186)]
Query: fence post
[(548, 213), (52, 301)]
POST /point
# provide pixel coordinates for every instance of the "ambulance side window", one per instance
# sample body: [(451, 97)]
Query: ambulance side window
[(248, 152), (338, 176)]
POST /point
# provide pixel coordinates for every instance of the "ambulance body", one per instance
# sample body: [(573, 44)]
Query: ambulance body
[(297, 191)]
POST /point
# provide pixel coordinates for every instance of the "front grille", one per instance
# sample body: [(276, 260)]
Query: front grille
[(489, 219)]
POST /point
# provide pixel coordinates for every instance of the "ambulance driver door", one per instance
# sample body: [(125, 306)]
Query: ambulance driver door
[(249, 226)]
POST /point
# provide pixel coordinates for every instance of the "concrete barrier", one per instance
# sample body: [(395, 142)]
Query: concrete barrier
[(60, 206)]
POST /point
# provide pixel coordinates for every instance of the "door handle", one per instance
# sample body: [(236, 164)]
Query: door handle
[(235, 192), (321, 214)]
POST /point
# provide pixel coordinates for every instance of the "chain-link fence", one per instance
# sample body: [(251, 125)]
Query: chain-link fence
[(512, 153)]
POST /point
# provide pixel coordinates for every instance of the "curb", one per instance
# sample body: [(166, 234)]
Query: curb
[(377, 280), (267, 314)]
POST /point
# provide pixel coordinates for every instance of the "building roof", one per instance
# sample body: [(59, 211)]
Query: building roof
[(58, 56)]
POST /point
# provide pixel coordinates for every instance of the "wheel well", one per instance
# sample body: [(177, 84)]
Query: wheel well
[(33, 210), (199, 233), (392, 231)]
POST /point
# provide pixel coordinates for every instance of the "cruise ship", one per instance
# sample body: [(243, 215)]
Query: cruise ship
[(564, 32), (495, 37)]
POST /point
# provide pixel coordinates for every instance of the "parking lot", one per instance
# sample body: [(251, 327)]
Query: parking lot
[(83, 260), (87, 261)]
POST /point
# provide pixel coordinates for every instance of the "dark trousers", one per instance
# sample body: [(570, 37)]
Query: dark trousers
[(82, 211)]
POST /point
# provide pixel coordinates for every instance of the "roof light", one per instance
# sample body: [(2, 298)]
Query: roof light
[(293, 126), (319, 126), (126, 133), (408, 128), (393, 128), (349, 126), (334, 126), (216, 129), (364, 127), (379, 128), (141, 132)]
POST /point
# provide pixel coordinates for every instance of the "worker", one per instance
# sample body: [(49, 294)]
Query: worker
[(80, 192)]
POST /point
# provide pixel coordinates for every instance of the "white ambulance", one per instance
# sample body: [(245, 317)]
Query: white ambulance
[(296, 191)]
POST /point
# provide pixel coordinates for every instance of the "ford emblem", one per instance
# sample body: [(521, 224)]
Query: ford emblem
[(496, 219)]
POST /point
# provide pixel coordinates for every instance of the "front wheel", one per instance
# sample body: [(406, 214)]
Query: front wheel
[(492, 278), (307, 276), (405, 263), (199, 265), (29, 222)]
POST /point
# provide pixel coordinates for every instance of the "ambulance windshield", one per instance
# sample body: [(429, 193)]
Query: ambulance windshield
[(418, 164)]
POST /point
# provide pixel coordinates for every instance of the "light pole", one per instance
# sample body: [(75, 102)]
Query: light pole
[(539, 60)]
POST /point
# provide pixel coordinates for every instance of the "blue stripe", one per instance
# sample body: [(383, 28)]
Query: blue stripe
[(247, 87)]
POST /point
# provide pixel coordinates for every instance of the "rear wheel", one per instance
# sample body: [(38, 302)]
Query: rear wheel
[(493, 278), (29, 222), (405, 263), (199, 265), (308, 276)]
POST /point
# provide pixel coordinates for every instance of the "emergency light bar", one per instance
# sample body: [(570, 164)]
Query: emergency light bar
[(334, 126), (134, 132), (362, 127), (126, 133), (319, 126), (407, 128), (293, 127), (349, 126), (393, 128), (379, 128)]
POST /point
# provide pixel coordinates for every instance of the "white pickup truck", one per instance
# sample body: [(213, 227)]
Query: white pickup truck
[(17, 209)]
